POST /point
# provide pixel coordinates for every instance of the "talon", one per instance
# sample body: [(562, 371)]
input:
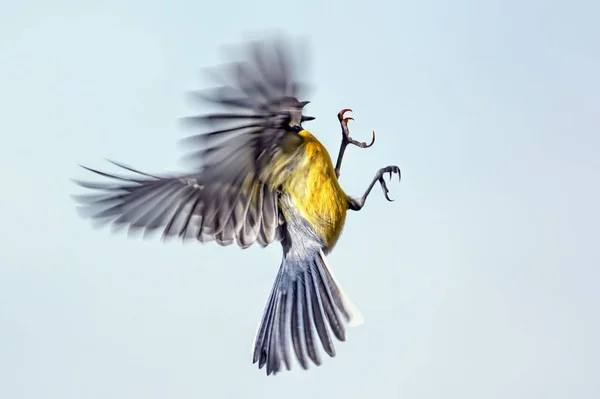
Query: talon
[(397, 170), (344, 121), (346, 133), (391, 170), (363, 144), (342, 112), (385, 189), (372, 139)]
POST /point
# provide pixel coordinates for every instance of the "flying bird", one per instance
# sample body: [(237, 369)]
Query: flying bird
[(257, 176)]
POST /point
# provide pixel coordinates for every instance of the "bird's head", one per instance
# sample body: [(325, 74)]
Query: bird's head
[(291, 109)]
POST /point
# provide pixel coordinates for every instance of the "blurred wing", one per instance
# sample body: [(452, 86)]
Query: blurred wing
[(244, 211), (242, 155), (259, 114)]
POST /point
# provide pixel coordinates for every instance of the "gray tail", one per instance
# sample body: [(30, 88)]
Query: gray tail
[(305, 297)]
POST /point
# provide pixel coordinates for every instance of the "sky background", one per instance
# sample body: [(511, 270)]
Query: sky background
[(479, 281)]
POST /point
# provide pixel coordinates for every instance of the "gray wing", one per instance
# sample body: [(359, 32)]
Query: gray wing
[(239, 156), (259, 111), (240, 211)]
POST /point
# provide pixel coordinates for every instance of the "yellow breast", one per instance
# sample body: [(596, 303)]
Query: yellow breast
[(316, 191)]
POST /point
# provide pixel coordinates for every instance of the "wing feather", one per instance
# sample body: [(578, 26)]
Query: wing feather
[(240, 155)]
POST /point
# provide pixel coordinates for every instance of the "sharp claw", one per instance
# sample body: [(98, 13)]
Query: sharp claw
[(373, 139), (342, 112), (391, 170), (387, 197), (345, 121), (385, 189), (346, 133)]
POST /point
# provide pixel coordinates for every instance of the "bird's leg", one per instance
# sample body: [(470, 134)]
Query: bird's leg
[(357, 204), (346, 139)]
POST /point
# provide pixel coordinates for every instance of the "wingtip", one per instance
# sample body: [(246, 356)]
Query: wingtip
[(85, 167)]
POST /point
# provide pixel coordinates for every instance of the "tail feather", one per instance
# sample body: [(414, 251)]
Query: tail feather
[(343, 302), (306, 298)]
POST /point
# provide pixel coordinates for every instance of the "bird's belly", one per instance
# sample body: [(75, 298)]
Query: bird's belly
[(326, 210), (319, 198)]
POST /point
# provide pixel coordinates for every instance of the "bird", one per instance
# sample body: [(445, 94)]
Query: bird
[(257, 176)]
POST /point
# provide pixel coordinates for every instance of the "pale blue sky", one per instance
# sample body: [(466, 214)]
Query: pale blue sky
[(479, 281)]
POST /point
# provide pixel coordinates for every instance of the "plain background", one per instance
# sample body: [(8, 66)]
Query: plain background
[(479, 281)]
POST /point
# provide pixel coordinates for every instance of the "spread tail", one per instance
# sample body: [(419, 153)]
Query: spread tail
[(305, 297)]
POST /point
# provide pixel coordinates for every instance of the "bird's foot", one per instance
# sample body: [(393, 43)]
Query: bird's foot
[(380, 177), (346, 132)]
